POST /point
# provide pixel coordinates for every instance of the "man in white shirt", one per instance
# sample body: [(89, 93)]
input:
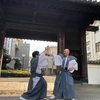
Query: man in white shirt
[(64, 83), (37, 87)]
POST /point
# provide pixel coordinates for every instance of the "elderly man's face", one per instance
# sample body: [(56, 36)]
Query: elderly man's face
[(66, 52)]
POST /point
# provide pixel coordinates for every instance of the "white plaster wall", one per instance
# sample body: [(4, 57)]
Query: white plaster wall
[(97, 38), (92, 43), (93, 74)]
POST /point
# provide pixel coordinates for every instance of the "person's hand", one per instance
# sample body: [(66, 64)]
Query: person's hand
[(42, 72), (58, 70), (50, 54), (71, 68), (46, 50)]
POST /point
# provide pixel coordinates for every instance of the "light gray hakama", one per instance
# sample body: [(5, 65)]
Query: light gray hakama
[(64, 83), (37, 87), (39, 92)]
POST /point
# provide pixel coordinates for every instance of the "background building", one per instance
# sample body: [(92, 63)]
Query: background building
[(50, 69), (17, 49), (93, 55), (23, 53), (7, 44), (93, 43)]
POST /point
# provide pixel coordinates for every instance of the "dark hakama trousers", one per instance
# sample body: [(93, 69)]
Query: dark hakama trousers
[(39, 92), (64, 86)]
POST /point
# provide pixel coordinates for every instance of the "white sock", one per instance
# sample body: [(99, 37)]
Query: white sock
[(21, 98), (73, 99), (52, 97)]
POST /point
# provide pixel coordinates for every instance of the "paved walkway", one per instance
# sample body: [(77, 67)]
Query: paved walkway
[(12, 88)]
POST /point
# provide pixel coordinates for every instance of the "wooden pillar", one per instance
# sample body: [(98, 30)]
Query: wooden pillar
[(2, 33), (83, 55), (61, 42), (2, 36)]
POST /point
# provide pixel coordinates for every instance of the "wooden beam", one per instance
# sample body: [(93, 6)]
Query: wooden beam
[(49, 7), (23, 34), (30, 27), (46, 20), (92, 28)]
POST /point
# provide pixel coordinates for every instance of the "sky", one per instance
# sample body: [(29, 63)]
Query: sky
[(39, 45)]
